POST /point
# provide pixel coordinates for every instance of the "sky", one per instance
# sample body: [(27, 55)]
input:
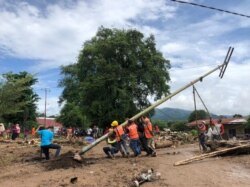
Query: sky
[(40, 36)]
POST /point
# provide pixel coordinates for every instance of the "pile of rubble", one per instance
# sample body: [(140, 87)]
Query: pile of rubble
[(168, 138)]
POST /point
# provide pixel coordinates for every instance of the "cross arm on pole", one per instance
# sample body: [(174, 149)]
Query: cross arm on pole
[(226, 61)]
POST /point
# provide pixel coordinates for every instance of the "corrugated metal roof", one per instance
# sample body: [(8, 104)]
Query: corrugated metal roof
[(239, 121), (224, 121), (49, 122)]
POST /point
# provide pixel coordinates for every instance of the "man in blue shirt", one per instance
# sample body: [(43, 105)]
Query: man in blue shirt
[(47, 136)]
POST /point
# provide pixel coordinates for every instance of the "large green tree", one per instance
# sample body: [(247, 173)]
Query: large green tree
[(10, 92), (71, 113), (20, 106), (116, 72)]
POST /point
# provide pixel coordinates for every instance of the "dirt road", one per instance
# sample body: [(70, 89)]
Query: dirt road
[(20, 166)]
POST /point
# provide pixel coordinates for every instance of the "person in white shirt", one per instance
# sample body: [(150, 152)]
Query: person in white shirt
[(218, 130), (2, 129)]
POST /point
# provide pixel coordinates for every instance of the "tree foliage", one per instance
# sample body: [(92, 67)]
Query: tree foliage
[(180, 126), (116, 72), (237, 116), (201, 114), (17, 98), (9, 93), (161, 124), (71, 116), (248, 122)]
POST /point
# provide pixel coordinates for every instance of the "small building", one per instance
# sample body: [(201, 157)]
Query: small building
[(233, 127), (47, 122)]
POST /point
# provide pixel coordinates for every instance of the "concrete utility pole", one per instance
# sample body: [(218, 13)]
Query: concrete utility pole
[(222, 68), (45, 105)]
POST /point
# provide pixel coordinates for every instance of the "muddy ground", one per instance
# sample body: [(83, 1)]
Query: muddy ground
[(20, 165)]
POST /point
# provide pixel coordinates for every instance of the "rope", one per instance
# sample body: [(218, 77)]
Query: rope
[(206, 110), (196, 117)]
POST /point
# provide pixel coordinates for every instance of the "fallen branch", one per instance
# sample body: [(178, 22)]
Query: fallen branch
[(215, 153)]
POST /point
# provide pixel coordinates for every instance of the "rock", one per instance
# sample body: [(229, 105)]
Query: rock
[(73, 180)]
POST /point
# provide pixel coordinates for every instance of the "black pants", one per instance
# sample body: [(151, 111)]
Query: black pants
[(14, 135), (202, 139), (45, 150), (110, 150), (144, 145)]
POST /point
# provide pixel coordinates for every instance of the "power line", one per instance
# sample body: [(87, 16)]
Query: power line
[(212, 8)]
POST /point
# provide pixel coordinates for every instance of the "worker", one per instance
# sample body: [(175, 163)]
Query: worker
[(218, 130), (202, 135), (157, 130), (111, 150), (149, 135), (33, 132), (120, 137), (2, 129), (143, 139), (222, 129), (14, 131), (69, 133), (46, 141), (134, 138)]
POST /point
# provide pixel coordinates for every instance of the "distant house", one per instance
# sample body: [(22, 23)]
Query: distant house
[(234, 127), (48, 122)]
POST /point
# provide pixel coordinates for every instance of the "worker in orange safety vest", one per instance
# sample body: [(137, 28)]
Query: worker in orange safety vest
[(149, 135), (134, 138), (120, 137)]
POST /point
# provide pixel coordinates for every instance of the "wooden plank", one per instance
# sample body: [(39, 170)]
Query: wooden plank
[(207, 155)]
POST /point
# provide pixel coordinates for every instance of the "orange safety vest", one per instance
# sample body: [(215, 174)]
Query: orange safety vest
[(133, 133), (33, 131), (119, 132), (148, 130)]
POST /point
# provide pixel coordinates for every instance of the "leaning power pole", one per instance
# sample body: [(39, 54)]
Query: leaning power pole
[(222, 69)]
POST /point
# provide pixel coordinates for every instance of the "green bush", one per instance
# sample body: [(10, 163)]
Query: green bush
[(194, 132), (161, 124)]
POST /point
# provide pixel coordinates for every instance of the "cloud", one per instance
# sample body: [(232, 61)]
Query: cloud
[(221, 96), (54, 36), (195, 41), (52, 106)]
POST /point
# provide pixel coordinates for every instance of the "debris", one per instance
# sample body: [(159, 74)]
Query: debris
[(168, 138), (224, 143), (77, 157), (215, 153), (73, 180), (145, 176), (173, 153)]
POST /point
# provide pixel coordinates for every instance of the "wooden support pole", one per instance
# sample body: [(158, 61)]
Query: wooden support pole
[(215, 153)]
